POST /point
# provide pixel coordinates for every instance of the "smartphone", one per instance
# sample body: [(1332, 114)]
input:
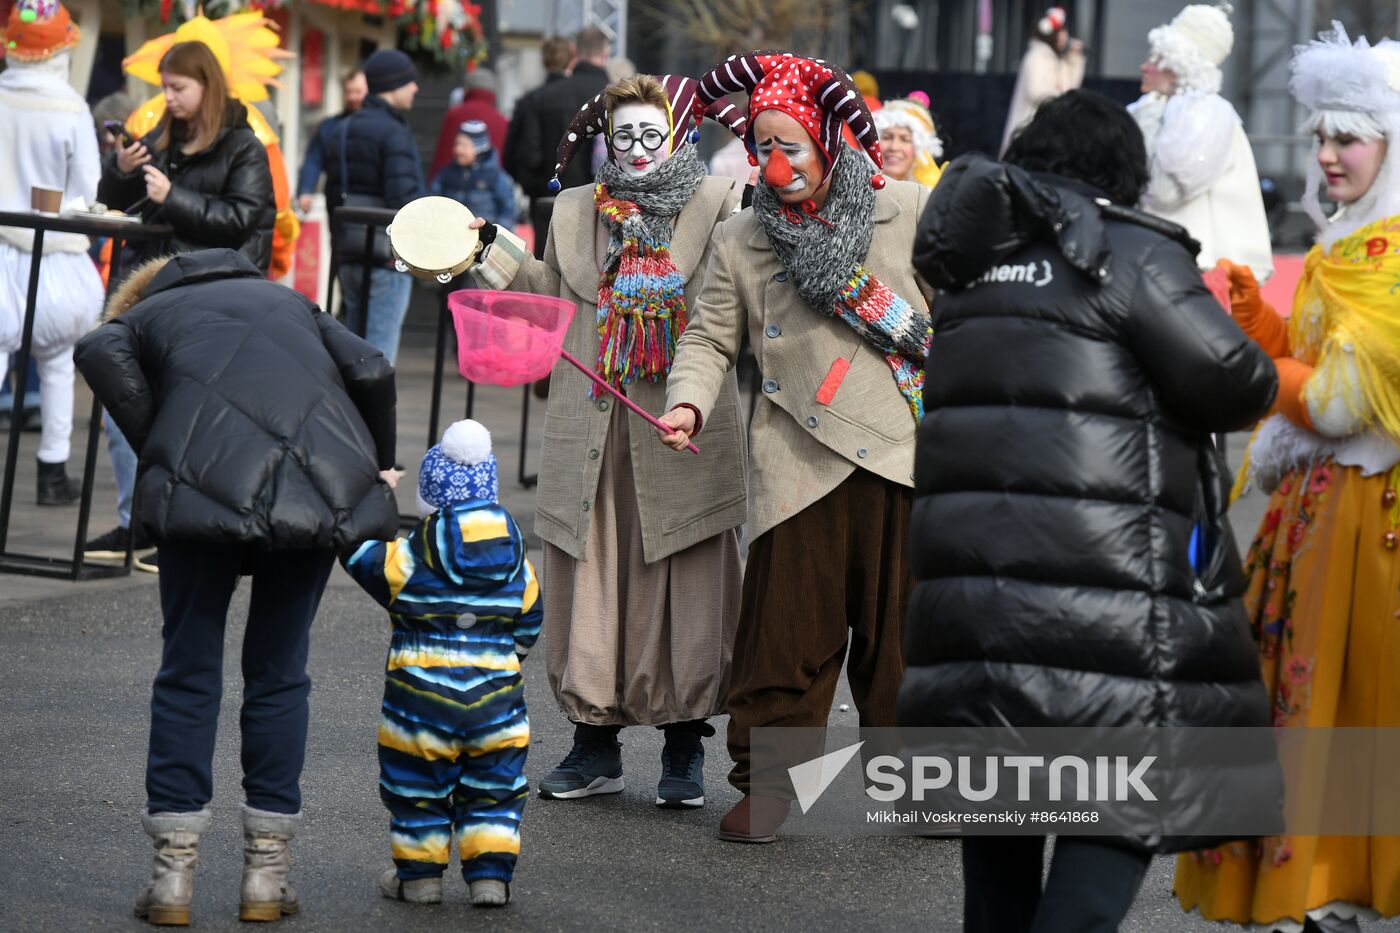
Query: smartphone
[(120, 132)]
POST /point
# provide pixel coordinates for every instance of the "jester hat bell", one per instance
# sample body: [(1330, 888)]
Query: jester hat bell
[(683, 106), (816, 94)]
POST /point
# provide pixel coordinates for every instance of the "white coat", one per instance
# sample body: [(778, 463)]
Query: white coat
[(1203, 177), (1043, 74), (47, 138)]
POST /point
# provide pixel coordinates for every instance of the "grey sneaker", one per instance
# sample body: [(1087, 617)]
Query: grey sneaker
[(682, 784), (589, 768), (417, 891)]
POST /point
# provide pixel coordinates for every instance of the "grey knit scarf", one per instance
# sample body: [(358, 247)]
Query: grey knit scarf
[(825, 254), (821, 258), (660, 194)]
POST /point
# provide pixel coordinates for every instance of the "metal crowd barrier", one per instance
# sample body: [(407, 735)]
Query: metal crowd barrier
[(39, 565)]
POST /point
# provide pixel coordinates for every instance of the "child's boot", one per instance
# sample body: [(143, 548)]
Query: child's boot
[(490, 892), (166, 900), (413, 891), (266, 895)]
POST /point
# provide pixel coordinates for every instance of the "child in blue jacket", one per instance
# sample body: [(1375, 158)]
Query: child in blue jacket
[(475, 177), (465, 607)]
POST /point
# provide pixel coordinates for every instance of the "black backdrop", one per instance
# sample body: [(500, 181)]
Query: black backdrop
[(970, 109)]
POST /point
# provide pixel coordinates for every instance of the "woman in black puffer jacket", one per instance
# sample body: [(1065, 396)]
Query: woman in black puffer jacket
[(266, 436), (1078, 366), (201, 170)]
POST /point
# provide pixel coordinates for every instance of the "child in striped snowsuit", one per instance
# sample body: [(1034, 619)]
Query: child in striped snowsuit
[(465, 608)]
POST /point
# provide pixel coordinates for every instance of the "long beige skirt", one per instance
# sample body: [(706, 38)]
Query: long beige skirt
[(632, 643)]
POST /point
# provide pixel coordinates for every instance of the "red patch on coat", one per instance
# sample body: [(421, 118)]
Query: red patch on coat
[(832, 382)]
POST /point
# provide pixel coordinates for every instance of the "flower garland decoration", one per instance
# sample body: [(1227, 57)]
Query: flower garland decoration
[(443, 33), (446, 33)]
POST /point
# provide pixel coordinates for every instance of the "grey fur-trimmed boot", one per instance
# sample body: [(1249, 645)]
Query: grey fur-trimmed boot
[(266, 896), (166, 900)]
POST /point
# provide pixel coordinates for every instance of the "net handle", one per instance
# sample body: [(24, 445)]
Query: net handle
[(598, 381)]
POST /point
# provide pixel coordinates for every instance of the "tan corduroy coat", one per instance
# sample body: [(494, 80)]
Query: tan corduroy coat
[(683, 500), (802, 449)]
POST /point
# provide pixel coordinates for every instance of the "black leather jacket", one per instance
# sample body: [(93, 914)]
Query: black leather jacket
[(221, 196)]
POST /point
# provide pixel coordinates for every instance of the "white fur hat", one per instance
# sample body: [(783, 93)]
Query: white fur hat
[(1052, 22), (1350, 88), (1193, 46), (1332, 74)]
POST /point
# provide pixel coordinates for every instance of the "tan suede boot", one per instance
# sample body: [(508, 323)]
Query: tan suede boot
[(266, 895), (166, 900)]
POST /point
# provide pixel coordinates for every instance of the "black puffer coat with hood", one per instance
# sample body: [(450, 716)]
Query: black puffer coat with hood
[(258, 419), (1078, 365)]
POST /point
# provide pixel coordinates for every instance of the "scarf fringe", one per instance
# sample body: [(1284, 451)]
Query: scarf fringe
[(641, 308)]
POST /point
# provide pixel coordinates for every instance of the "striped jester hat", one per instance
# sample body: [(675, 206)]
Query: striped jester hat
[(816, 94), (683, 104)]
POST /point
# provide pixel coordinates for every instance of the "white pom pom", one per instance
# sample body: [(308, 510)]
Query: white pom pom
[(467, 442)]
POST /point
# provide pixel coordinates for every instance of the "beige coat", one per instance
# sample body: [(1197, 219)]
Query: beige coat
[(682, 500), (801, 449)]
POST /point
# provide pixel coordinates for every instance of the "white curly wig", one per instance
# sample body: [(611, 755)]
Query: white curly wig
[(1193, 46), (1350, 89), (914, 117)]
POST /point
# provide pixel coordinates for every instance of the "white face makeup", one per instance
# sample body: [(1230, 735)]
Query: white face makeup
[(1350, 165), (640, 138)]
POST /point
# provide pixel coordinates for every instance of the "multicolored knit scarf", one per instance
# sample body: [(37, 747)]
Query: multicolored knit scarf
[(641, 295), (825, 254)]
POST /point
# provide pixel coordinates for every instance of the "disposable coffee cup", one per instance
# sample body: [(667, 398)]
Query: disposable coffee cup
[(46, 200)]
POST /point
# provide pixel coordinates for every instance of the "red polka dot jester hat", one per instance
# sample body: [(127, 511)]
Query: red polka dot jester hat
[(816, 94)]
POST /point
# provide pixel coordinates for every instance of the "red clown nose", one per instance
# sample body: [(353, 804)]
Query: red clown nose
[(778, 171)]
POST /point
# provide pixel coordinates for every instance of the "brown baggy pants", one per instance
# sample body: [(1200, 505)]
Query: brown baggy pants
[(837, 565)]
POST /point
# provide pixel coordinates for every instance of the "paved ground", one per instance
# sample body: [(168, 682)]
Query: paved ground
[(76, 662)]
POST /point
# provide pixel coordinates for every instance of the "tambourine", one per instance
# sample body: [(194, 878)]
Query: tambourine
[(430, 239)]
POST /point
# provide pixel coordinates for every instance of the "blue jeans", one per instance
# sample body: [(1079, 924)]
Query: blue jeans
[(197, 580), (389, 291), (123, 468)]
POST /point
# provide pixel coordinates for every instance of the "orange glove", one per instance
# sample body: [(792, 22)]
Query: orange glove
[(1257, 319), (1292, 376)]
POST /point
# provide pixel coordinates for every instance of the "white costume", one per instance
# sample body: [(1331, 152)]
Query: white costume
[(47, 138), (1044, 74), (1202, 168)]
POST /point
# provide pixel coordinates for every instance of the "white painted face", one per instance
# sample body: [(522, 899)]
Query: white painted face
[(640, 138)]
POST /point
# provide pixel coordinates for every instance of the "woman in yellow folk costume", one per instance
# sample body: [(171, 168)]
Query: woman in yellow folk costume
[(1324, 568), (248, 51), (909, 139)]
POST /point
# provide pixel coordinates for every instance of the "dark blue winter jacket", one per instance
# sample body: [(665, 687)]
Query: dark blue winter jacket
[(381, 157), (483, 187)]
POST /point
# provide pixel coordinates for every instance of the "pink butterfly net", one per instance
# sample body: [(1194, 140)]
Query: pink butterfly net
[(512, 338), (506, 338)]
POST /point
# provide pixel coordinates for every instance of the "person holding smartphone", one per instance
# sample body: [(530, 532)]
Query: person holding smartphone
[(201, 170)]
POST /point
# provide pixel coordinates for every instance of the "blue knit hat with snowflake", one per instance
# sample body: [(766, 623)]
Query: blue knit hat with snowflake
[(461, 468)]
